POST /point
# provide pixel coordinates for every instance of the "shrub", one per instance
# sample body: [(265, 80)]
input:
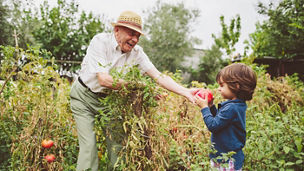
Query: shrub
[(34, 106), (168, 134), (179, 140), (275, 124)]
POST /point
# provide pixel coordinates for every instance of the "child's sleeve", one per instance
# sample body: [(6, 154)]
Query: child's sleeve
[(213, 110), (220, 120)]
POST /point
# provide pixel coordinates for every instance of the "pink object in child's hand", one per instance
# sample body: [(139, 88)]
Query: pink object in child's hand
[(203, 93)]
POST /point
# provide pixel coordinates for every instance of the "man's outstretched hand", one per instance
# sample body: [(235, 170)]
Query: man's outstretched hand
[(190, 94)]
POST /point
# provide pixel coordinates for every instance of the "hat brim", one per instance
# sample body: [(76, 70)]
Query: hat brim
[(128, 26)]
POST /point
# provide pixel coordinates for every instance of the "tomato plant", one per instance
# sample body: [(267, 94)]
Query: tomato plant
[(167, 134)]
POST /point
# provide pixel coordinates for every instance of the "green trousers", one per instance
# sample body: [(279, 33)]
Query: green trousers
[(85, 105)]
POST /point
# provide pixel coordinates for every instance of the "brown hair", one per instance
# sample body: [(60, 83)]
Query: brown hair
[(240, 78)]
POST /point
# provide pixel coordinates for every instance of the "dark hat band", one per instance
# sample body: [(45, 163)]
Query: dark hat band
[(130, 23)]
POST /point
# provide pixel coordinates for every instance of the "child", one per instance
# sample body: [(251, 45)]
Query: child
[(227, 123)]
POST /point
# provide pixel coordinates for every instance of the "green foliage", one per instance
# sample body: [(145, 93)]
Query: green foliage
[(210, 65), (179, 135), (168, 134), (127, 115), (64, 34), (34, 106), (274, 124), (156, 134), (63, 29), (213, 61), (282, 35), (15, 31), (168, 38), (230, 34), (5, 27)]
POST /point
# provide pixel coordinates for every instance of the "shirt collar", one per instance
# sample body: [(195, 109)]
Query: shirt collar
[(230, 101)]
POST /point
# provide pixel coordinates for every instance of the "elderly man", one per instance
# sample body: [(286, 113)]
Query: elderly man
[(105, 52)]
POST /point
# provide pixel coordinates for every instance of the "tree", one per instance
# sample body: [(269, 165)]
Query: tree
[(282, 35), (20, 23), (64, 34), (229, 37), (168, 38), (6, 33), (209, 66), (15, 30), (213, 60)]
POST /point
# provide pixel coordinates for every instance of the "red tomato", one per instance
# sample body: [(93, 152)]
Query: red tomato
[(50, 158), (203, 92), (174, 130), (47, 143)]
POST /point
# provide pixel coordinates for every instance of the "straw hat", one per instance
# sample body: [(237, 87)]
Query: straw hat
[(131, 20)]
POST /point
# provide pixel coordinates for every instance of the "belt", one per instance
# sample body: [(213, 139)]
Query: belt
[(85, 86)]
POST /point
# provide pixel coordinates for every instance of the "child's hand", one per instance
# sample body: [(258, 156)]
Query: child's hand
[(202, 103)]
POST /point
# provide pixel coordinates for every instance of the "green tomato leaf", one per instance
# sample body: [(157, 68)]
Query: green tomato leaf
[(286, 149), (298, 142)]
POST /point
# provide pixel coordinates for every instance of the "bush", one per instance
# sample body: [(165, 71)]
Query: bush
[(275, 124), (168, 134), (34, 106), (179, 140)]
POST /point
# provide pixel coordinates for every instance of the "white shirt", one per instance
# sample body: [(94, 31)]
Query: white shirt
[(104, 54)]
